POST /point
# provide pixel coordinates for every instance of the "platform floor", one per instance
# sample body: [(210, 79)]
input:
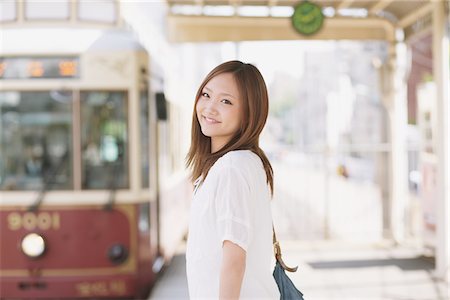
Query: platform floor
[(337, 270)]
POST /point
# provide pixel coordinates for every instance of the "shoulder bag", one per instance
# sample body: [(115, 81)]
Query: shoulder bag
[(285, 286)]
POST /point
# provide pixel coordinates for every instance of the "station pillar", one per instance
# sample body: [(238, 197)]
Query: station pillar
[(441, 66), (395, 101)]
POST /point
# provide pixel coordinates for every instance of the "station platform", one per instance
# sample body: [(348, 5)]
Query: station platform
[(338, 270)]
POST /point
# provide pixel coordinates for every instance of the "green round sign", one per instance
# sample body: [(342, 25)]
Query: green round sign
[(307, 18)]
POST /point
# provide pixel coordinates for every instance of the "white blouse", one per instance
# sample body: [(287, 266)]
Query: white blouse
[(232, 203)]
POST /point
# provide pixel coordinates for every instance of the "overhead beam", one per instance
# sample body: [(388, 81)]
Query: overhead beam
[(235, 4), (216, 29), (415, 15), (345, 4), (271, 3), (379, 6)]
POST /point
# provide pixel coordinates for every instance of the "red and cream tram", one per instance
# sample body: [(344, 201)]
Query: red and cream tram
[(82, 214)]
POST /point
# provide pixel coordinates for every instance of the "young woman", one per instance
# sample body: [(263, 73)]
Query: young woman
[(229, 249)]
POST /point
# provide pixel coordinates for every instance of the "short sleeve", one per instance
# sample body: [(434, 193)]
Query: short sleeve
[(232, 201)]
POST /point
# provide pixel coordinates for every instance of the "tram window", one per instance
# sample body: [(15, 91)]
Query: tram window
[(104, 140), (9, 10), (145, 140), (98, 11), (47, 10), (35, 140)]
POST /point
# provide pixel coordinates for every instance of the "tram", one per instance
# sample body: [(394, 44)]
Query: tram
[(83, 212)]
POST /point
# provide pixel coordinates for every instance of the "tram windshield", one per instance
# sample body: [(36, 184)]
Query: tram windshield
[(36, 135), (104, 140), (35, 140)]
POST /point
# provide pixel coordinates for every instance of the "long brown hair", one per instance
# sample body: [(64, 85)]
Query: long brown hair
[(255, 101)]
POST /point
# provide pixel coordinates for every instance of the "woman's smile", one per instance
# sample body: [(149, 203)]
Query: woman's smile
[(210, 121)]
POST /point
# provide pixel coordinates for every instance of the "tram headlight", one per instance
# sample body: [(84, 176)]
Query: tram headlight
[(117, 253), (33, 245)]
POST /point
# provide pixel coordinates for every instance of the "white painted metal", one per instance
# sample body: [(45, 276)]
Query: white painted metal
[(442, 79), (397, 110)]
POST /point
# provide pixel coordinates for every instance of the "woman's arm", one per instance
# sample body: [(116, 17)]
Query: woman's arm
[(232, 271)]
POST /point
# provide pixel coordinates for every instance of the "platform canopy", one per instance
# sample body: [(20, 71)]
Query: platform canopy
[(244, 20)]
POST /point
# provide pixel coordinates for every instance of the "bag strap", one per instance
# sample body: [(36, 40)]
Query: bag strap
[(277, 251)]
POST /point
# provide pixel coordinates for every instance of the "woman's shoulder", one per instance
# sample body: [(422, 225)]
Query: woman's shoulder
[(242, 165), (239, 159)]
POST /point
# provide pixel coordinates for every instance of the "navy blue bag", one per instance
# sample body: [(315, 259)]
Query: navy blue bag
[(287, 289)]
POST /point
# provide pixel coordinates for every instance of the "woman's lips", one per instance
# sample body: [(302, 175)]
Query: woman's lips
[(210, 121)]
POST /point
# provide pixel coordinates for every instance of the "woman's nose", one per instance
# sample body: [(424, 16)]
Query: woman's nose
[(210, 107)]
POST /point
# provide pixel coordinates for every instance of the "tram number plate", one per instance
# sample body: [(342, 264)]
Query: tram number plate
[(32, 221), (101, 288)]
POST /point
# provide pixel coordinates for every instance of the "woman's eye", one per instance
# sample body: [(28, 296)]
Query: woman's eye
[(205, 95), (226, 101)]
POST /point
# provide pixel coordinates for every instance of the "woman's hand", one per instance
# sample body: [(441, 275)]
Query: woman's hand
[(232, 271)]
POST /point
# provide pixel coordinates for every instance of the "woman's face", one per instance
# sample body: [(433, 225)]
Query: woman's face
[(219, 110)]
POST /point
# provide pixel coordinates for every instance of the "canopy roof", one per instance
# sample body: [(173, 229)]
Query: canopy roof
[(201, 20)]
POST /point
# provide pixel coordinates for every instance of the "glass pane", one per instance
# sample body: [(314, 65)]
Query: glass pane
[(35, 140), (145, 142), (99, 11), (8, 10), (47, 10), (104, 140)]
